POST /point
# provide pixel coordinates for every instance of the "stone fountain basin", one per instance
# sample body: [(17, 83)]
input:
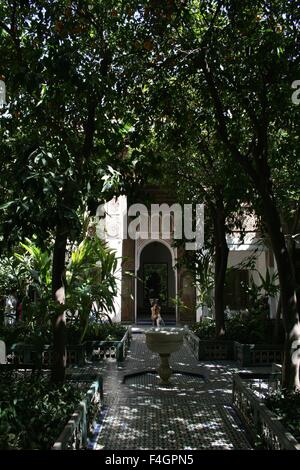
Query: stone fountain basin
[(164, 341)]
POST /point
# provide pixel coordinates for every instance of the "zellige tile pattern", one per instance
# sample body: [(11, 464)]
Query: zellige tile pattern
[(193, 412)]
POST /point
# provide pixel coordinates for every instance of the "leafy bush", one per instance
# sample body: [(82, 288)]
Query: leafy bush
[(25, 333), (204, 329), (91, 283), (73, 333), (90, 286), (33, 411), (13, 276), (253, 328), (286, 405), (105, 332)]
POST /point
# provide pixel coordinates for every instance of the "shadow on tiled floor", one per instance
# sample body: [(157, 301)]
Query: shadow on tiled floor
[(194, 412)]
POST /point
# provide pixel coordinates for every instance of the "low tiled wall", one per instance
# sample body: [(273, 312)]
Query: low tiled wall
[(109, 349), (82, 422), (209, 349), (257, 354), (29, 354), (261, 423)]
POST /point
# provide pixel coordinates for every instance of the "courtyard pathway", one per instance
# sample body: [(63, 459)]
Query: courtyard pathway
[(194, 412)]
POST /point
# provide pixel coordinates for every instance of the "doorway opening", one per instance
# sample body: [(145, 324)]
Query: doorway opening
[(156, 281)]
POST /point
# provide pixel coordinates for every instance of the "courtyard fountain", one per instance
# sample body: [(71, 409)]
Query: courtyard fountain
[(164, 341)]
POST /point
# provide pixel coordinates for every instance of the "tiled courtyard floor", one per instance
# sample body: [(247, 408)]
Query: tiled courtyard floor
[(194, 412)]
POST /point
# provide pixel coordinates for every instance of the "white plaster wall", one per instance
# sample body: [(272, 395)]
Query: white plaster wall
[(237, 255), (114, 228)]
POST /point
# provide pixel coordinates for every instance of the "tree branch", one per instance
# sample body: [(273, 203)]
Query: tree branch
[(221, 120)]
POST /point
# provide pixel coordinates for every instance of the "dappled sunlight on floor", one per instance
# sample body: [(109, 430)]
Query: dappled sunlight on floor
[(164, 426), (193, 412)]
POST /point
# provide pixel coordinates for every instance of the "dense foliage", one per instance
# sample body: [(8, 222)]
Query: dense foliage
[(64, 124), (105, 331), (255, 328), (286, 405), (96, 332), (90, 280), (33, 411), (102, 92), (25, 333), (91, 275)]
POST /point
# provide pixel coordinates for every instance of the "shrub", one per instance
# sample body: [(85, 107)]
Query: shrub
[(253, 328), (96, 332), (286, 405), (204, 329), (106, 332), (33, 411), (74, 334), (90, 288), (25, 333)]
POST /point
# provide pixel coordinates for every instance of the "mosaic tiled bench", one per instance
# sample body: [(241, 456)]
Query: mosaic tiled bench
[(209, 349), (82, 422), (257, 354), (258, 419)]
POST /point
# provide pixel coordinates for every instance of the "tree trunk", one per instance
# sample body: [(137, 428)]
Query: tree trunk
[(258, 170), (2, 309), (221, 260), (59, 321), (277, 322), (290, 315), (291, 246), (67, 202)]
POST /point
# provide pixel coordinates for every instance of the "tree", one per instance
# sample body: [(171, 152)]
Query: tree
[(189, 158), (206, 177), (243, 55), (63, 125), (266, 50)]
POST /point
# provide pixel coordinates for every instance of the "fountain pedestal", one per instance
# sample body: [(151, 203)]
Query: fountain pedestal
[(164, 341), (164, 369)]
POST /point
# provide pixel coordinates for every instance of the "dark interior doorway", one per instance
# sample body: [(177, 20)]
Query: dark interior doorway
[(156, 280)]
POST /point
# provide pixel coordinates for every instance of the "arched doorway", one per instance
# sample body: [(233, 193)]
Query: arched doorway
[(155, 280)]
